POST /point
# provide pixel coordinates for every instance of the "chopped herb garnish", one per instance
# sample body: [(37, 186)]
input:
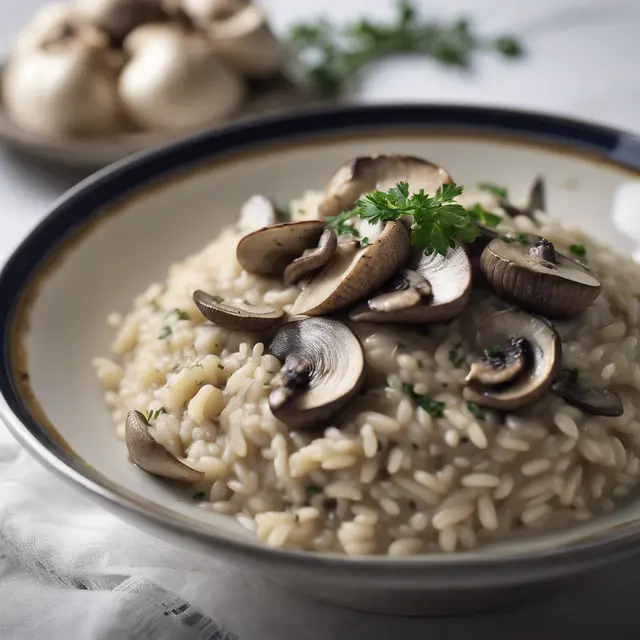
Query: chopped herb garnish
[(495, 351), (578, 250), (313, 489), (455, 358), (154, 304), (201, 495), (153, 415), (484, 217), (433, 407), (330, 55), (165, 333), (218, 299), (574, 374), (284, 212), (297, 518), (412, 505), (182, 315), (475, 411), (508, 239), (522, 238), (499, 192), (340, 224), (365, 242), (438, 220)]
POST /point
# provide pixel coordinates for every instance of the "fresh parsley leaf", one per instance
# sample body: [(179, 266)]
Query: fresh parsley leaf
[(475, 411), (455, 358), (365, 242), (165, 333), (330, 55), (182, 315), (495, 351), (433, 407), (484, 217), (490, 187), (153, 415), (578, 250), (341, 225), (313, 489), (200, 495)]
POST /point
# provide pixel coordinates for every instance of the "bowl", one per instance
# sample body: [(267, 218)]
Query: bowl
[(119, 230)]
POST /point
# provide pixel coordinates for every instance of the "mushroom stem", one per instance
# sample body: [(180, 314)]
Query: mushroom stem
[(544, 250)]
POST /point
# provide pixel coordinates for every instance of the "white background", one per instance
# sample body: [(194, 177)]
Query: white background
[(582, 61)]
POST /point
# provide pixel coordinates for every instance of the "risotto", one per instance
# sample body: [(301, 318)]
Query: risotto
[(447, 401)]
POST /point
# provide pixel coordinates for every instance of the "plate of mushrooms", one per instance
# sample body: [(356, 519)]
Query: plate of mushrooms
[(386, 356), (90, 81)]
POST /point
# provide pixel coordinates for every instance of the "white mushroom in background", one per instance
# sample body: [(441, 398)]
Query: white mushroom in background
[(67, 85), (174, 80), (45, 20), (202, 12), (247, 43), (118, 17)]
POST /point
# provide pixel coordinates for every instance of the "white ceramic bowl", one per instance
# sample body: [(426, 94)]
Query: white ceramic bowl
[(120, 230)]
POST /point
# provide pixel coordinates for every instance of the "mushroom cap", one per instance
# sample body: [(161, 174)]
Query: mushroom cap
[(174, 81), (119, 17), (236, 315), (450, 280), (256, 213), (365, 174), (151, 456), (352, 273), (333, 360), (245, 41), (564, 289), (599, 402), (312, 259), (266, 252), (203, 12), (544, 350)]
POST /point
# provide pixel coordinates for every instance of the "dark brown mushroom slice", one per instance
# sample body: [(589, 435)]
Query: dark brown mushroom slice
[(236, 315), (365, 174), (536, 201), (593, 400), (449, 278), (151, 456), (323, 368), (501, 364), (268, 251), (256, 213), (352, 274), (312, 259), (541, 359), (538, 278)]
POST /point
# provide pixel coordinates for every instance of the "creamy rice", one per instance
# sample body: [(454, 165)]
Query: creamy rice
[(386, 477)]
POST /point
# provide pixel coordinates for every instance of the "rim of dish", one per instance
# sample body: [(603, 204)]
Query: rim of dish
[(85, 201)]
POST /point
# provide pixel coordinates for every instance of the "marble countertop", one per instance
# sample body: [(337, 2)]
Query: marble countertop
[(579, 63)]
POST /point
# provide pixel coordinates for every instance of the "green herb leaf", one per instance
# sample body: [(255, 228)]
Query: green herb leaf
[(495, 351), (313, 489), (153, 415), (578, 250), (200, 495), (365, 242), (182, 315), (499, 192), (218, 299), (329, 55), (455, 358), (165, 333), (475, 411), (340, 223), (433, 407), (484, 217)]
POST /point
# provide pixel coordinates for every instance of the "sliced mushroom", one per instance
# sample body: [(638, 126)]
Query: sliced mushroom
[(256, 213), (535, 202), (323, 367), (354, 273), (395, 300), (449, 278), (312, 259), (538, 278), (268, 251), (151, 456), (500, 366), (530, 373), (599, 402), (236, 315), (365, 174)]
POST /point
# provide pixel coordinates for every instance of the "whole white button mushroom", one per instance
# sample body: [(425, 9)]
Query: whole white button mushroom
[(65, 86), (174, 80)]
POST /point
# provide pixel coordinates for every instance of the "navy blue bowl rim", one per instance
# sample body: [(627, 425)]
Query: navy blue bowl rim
[(93, 195)]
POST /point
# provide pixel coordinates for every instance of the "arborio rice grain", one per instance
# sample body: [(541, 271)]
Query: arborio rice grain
[(386, 477)]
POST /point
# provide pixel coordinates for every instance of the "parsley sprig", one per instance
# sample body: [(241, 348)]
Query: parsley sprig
[(330, 55), (438, 220)]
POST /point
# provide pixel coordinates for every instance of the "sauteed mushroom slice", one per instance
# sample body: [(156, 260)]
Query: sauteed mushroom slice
[(354, 273), (268, 251), (312, 259), (365, 174), (599, 402), (449, 279), (537, 201), (151, 456), (237, 315), (323, 367), (522, 354), (538, 278)]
